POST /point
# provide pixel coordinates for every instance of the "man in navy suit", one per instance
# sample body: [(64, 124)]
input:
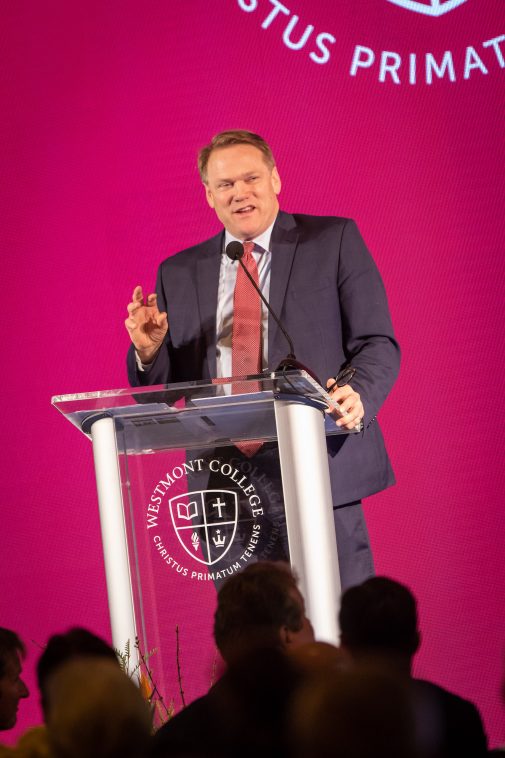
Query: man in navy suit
[(320, 279)]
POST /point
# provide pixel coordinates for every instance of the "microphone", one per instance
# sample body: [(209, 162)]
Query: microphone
[(235, 252)]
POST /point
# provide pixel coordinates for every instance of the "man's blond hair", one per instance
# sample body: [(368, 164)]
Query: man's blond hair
[(229, 138)]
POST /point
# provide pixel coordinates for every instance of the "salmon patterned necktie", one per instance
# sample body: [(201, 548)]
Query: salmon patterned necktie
[(246, 333)]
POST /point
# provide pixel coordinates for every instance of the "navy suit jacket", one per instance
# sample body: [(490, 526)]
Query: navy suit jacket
[(329, 295)]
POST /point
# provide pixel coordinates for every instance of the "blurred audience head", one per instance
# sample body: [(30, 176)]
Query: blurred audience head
[(61, 648), (96, 711), (316, 658), (260, 607), (252, 701), (363, 712), (379, 618), (12, 687)]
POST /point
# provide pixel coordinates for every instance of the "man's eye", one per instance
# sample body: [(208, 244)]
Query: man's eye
[(224, 185), (251, 178)]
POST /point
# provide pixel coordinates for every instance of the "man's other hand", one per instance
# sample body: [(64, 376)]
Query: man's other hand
[(146, 325), (351, 407)]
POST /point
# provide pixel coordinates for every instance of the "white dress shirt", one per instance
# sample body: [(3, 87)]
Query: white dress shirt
[(224, 314)]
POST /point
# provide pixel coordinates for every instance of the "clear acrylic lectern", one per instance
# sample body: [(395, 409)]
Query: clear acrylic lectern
[(188, 497)]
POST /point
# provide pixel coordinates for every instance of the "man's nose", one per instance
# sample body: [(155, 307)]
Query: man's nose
[(241, 191)]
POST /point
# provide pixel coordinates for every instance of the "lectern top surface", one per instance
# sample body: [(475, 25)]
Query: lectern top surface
[(193, 413)]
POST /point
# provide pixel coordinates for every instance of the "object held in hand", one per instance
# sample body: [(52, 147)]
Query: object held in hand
[(342, 378)]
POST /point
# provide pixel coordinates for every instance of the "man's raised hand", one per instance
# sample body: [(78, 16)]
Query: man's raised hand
[(146, 325)]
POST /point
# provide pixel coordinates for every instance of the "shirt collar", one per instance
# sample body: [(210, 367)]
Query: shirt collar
[(261, 241)]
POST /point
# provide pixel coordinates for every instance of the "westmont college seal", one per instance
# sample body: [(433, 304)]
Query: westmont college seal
[(206, 532)]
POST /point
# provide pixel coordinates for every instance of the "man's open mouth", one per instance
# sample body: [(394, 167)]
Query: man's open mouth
[(245, 209)]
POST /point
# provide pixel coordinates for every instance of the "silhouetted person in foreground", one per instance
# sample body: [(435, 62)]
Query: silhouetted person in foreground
[(95, 711), (61, 649), (357, 712), (378, 622), (316, 658), (12, 687), (260, 616), (75, 644)]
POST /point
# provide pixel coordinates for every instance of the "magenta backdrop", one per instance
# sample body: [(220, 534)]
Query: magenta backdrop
[(104, 106)]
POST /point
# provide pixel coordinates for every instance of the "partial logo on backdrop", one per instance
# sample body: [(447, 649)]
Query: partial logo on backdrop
[(429, 7), (209, 533), (386, 66)]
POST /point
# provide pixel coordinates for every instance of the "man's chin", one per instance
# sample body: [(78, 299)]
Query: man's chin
[(248, 229), (243, 227)]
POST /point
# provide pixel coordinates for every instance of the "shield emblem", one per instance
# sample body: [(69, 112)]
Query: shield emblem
[(429, 7), (205, 522)]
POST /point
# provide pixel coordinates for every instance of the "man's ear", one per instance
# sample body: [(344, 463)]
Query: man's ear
[(209, 196), (284, 636), (276, 180)]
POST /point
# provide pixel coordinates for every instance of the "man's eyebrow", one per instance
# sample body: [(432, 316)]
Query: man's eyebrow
[(231, 180)]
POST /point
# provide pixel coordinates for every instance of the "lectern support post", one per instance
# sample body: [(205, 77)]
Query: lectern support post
[(309, 513), (115, 546)]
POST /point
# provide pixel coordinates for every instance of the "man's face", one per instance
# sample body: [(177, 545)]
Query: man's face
[(243, 190), (12, 689)]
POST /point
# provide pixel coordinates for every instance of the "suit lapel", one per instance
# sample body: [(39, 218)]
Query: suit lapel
[(207, 283), (283, 245)]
